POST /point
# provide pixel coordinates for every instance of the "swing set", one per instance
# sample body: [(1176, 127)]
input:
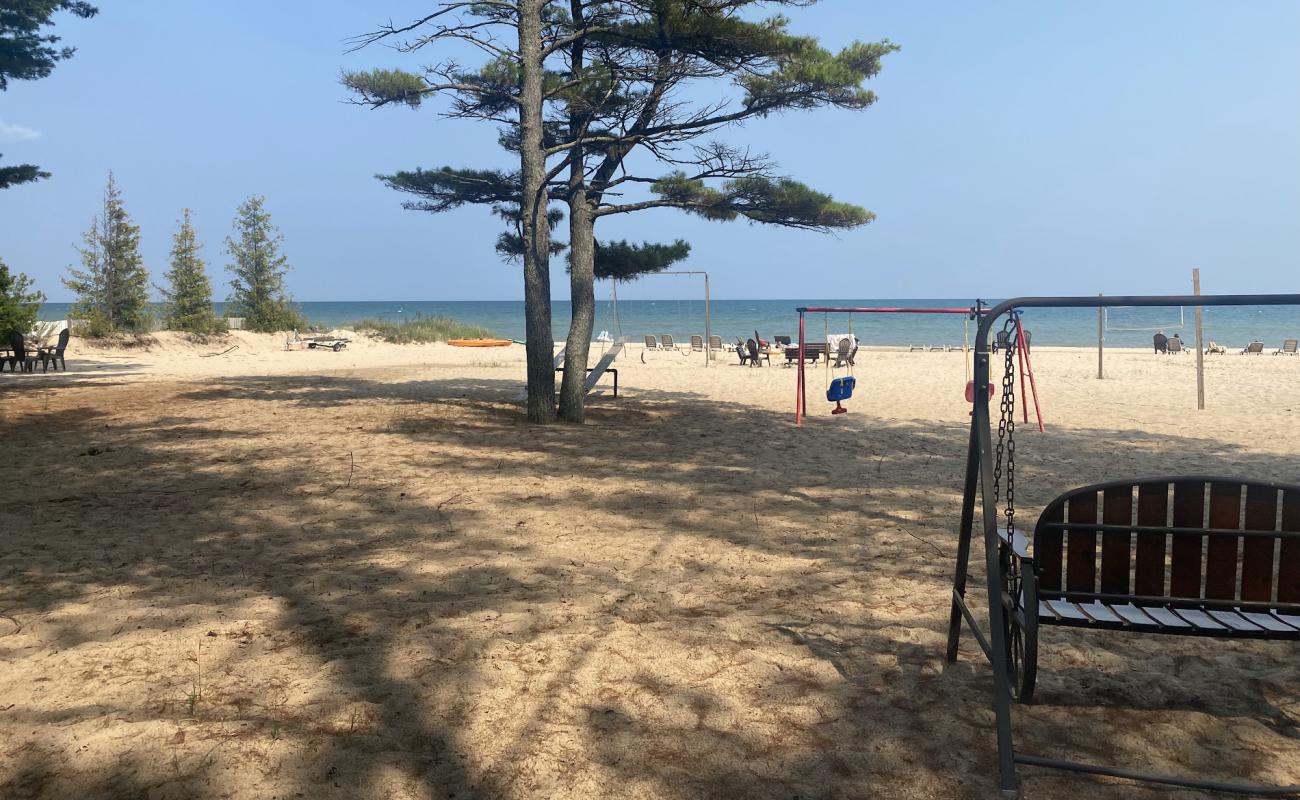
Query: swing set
[(840, 389), (1188, 555)]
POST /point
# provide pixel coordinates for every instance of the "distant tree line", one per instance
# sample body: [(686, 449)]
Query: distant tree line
[(112, 284)]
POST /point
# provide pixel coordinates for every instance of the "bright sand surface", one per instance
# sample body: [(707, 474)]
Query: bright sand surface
[(271, 574)]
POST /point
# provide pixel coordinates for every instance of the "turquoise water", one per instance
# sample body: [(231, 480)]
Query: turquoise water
[(1232, 327)]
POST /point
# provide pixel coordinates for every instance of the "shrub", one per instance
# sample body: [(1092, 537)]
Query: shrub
[(422, 329)]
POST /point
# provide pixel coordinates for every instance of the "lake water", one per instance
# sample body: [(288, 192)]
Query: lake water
[(1231, 326)]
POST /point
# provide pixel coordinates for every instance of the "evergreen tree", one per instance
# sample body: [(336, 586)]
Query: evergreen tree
[(621, 77), (112, 286), (27, 55), (259, 268), (189, 294), (18, 303)]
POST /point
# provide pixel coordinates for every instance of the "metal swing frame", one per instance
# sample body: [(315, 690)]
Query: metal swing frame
[(979, 487), (801, 383)]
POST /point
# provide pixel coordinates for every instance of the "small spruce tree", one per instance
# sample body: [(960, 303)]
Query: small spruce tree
[(259, 268), (189, 293), (18, 303), (112, 287)]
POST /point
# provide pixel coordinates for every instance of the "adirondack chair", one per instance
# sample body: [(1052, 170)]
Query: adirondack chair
[(743, 352), (19, 358), (845, 354), (54, 355)]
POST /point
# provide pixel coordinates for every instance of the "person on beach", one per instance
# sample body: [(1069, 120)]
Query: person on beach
[(1161, 342)]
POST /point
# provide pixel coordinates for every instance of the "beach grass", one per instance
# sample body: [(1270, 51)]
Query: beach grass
[(422, 329)]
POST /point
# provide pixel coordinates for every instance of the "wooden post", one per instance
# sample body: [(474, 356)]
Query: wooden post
[(1200, 344), (1101, 336)]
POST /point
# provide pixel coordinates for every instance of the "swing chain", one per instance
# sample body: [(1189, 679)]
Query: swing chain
[(1006, 451)]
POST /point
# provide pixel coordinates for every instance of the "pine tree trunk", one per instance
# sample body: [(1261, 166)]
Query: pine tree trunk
[(582, 294), (535, 227)]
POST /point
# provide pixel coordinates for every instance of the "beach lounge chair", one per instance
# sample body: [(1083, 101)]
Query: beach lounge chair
[(19, 358), (1175, 345), (715, 343), (666, 342), (651, 343), (697, 344), (913, 348), (783, 341), (1214, 348), (1288, 347), (54, 355), (1256, 347), (1002, 340)]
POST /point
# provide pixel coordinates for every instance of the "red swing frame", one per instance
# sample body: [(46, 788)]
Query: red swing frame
[(801, 392)]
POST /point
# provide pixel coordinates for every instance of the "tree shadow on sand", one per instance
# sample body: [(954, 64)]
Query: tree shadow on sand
[(404, 589)]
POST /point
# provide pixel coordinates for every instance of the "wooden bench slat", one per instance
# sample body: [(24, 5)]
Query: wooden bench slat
[(1117, 509), (1257, 552), (1235, 620), (1047, 549), (1270, 622), (1221, 550), (1081, 546), (1199, 619), (1185, 556), (1167, 618), (1063, 609), (1288, 569), (1153, 510)]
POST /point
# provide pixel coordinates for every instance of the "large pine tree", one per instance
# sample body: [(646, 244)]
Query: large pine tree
[(27, 53), (188, 292), (112, 286), (625, 77), (259, 269)]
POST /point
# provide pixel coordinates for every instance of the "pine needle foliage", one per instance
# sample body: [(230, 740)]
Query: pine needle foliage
[(28, 53), (258, 293), (112, 285), (188, 294), (19, 303)]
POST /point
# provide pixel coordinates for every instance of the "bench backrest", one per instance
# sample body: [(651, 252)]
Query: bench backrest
[(1186, 537)]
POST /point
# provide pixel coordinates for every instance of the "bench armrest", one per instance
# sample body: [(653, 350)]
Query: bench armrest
[(1019, 546)]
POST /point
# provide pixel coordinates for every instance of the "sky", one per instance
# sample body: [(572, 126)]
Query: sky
[(1016, 148)]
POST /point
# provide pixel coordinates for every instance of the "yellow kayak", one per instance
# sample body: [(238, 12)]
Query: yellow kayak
[(479, 342)]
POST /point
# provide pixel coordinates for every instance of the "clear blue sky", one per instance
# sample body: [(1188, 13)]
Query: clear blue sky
[(1017, 147)]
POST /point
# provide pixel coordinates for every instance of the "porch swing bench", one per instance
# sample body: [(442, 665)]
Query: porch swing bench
[(1164, 565)]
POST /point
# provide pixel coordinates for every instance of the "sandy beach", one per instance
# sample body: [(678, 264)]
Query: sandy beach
[(260, 573)]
